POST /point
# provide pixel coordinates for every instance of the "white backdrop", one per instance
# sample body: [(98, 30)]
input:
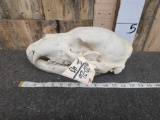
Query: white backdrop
[(128, 18)]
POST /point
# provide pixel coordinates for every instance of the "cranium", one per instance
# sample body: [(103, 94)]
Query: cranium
[(101, 47)]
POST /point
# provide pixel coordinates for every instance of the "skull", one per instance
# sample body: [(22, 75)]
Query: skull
[(101, 47)]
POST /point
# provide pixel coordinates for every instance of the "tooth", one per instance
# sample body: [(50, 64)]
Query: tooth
[(35, 57), (49, 61), (30, 56), (66, 62), (55, 63)]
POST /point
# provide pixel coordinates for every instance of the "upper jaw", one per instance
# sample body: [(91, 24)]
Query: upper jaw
[(35, 56)]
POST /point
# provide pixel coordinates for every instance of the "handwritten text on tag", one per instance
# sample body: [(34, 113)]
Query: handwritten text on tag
[(80, 70)]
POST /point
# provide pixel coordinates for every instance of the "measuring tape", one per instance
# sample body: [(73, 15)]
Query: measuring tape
[(93, 85)]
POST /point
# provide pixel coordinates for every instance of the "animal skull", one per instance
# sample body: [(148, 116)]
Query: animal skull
[(101, 47)]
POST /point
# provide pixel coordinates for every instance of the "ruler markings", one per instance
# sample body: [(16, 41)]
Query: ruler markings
[(94, 85)]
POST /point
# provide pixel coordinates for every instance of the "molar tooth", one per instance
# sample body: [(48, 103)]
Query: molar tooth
[(66, 62), (59, 62), (54, 62), (49, 61)]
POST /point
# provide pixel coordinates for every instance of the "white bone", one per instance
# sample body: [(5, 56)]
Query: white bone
[(100, 46)]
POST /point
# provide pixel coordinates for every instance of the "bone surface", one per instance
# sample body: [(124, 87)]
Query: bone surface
[(101, 47)]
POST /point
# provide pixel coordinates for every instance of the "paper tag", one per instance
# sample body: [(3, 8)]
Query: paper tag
[(80, 70)]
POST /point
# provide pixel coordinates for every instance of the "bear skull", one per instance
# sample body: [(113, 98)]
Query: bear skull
[(101, 47)]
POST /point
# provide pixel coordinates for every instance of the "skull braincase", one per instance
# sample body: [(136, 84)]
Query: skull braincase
[(101, 47)]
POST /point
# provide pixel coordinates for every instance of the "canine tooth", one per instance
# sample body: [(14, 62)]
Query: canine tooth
[(36, 56)]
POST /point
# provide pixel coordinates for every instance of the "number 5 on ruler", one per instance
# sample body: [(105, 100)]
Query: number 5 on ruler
[(133, 28)]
